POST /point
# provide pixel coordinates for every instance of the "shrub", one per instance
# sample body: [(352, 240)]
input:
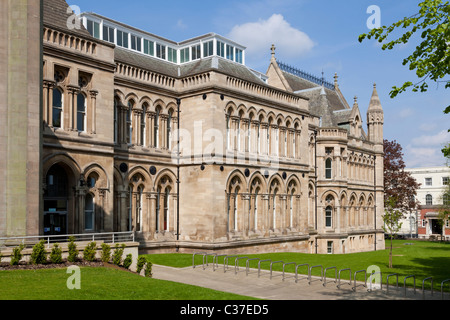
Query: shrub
[(140, 264), (127, 262), (17, 255), (39, 254), (117, 255), (56, 254), (106, 252), (148, 269), (73, 251), (90, 251)]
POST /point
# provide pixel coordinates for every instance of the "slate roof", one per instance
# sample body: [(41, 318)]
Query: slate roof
[(55, 15)]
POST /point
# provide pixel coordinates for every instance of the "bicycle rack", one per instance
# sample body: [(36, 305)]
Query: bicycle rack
[(442, 288), (339, 277), (371, 281), (404, 283), (216, 260), (321, 273), (325, 275), (225, 262), (308, 274), (271, 267), (354, 280), (193, 258), (236, 264), (387, 281), (284, 265), (423, 286), (248, 264), (206, 256), (259, 265)]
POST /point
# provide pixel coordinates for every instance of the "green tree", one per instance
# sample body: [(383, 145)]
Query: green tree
[(431, 58), (392, 223)]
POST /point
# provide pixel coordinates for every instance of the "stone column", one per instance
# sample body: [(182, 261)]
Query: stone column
[(20, 120), (93, 94)]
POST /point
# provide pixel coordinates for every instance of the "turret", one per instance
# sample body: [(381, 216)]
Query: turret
[(375, 118)]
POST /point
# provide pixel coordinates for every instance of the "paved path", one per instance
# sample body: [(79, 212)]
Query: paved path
[(277, 289)]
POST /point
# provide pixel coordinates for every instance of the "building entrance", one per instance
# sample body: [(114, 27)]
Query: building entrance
[(436, 228)]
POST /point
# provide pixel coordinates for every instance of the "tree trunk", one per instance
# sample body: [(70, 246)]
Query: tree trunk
[(390, 256)]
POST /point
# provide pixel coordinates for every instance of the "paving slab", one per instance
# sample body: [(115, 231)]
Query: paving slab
[(263, 287)]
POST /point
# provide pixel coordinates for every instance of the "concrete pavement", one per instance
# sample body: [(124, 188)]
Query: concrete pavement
[(276, 289)]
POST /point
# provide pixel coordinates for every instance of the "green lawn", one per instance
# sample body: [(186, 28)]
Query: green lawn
[(99, 284), (422, 259)]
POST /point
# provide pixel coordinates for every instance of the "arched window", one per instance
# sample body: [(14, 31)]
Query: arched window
[(143, 125), (57, 108), (156, 128), (140, 192), (274, 209), (89, 216), (158, 206), (169, 130), (116, 119), (429, 200), (328, 217), (328, 170), (228, 120), (129, 124), (256, 208), (236, 194), (130, 207), (81, 112), (446, 200), (166, 209)]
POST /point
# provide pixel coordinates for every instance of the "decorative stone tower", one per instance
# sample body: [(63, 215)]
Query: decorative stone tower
[(375, 122), (375, 118)]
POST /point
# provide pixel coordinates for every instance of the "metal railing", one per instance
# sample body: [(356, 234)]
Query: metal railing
[(323, 272), (106, 237)]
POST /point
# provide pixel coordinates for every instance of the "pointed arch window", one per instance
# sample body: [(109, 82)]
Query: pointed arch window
[(140, 192), (169, 130), (156, 128), (129, 122), (116, 119), (143, 125)]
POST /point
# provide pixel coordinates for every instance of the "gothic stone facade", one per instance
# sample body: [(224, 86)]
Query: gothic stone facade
[(261, 163)]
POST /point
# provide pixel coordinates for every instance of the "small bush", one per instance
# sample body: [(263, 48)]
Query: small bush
[(39, 254), (106, 252), (73, 251), (17, 255), (140, 264), (117, 255), (148, 269), (128, 261), (90, 251), (56, 254)]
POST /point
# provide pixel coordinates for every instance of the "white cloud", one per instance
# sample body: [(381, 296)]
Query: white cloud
[(438, 139), (417, 157), (259, 36), (425, 151), (405, 113)]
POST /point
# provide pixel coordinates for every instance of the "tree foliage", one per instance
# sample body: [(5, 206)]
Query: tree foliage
[(431, 58), (398, 184), (392, 224)]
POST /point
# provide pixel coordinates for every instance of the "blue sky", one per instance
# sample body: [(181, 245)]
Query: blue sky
[(314, 36)]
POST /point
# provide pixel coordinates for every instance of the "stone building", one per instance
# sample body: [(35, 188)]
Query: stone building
[(186, 146), (424, 222)]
